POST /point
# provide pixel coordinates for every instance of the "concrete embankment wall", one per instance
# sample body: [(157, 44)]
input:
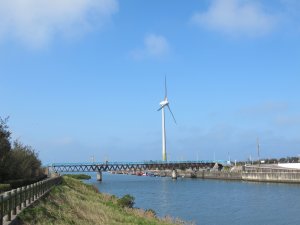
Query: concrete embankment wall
[(221, 175), (258, 176), (284, 177)]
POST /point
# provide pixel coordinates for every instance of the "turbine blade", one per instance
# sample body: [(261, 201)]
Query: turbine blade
[(160, 108), (172, 113), (166, 91)]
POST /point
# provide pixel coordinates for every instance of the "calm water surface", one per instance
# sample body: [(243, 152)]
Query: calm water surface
[(209, 202)]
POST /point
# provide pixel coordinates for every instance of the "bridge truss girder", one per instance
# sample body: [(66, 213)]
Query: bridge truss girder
[(119, 167)]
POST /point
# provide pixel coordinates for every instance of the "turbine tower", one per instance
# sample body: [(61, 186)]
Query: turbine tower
[(163, 104)]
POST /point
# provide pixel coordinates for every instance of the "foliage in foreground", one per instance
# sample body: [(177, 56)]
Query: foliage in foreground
[(74, 202), (126, 201), (4, 187), (78, 176), (17, 161)]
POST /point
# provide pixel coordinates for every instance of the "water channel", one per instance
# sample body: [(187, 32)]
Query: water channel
[(209, 202)]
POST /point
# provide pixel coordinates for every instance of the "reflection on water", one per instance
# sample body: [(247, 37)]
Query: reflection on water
[(209, 202)]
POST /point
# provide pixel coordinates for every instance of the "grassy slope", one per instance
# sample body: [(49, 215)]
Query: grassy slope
[(74, 202)]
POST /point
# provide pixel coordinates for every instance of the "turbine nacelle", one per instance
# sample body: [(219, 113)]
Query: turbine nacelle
[(164, 103)]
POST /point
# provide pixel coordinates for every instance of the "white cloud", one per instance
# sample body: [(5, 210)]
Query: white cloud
[(155, 46), (36, 22), (236, 18)]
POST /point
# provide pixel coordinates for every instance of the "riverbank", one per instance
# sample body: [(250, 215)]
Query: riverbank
[(209, 201), (74, 202), (265, 173)]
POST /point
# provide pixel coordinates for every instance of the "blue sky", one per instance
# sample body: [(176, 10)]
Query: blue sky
[(82, 78)]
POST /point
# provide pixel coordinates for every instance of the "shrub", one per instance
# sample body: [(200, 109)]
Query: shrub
[(78, 176), (4, 187), (151, 212), (126, 201), (23, 182)]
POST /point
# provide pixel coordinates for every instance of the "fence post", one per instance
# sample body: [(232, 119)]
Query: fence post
[(39, 188), (43, 184), (29, 194), (20, 198), (36, 191), (42, 187), (1, 210), (47, 184), (32, 192), (14, 206), (25, 196), (9, 206)]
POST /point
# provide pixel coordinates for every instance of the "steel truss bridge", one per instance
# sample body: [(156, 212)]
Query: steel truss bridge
[(147, 165)]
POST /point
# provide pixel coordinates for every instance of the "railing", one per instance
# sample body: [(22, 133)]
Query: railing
[(17, 199)]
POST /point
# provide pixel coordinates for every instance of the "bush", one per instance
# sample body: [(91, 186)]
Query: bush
[(151, 212), (4, 187), (23, 182), (126, 201), (78, 176)]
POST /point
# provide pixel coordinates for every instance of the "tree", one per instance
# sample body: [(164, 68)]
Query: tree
[(17, 162), (5, 145), (23, 161)]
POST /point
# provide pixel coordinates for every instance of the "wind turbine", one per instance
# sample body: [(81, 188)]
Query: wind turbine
[(163, 104)]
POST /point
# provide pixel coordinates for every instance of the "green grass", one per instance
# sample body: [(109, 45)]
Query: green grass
[(78, 176), (74, 202)]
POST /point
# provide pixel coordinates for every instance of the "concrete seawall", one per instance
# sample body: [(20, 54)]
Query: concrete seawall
[(260, 173), (223, 175), (257, 176), (281, 177), (220, 175)]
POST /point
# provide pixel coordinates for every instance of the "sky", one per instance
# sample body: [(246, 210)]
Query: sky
[(84, 78)]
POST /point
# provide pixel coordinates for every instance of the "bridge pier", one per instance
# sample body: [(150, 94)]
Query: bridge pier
[(99, 176), (174, 174)]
